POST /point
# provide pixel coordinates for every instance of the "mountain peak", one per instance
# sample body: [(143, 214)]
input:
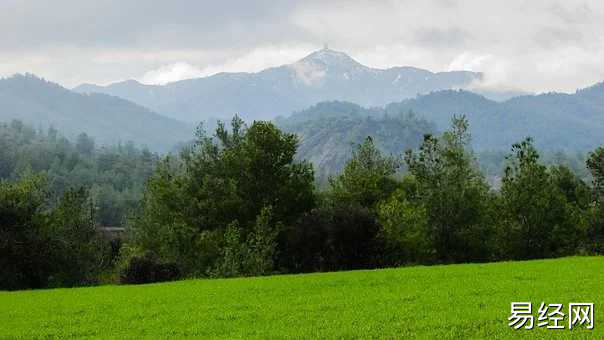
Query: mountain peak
[(329, 57)]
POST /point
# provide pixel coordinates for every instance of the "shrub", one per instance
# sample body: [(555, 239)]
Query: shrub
[(340, 237), (147, 269), (252, 256)]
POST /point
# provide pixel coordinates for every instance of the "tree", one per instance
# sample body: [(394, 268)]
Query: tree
[(595, 164), (404, 230), (454, 194), (225, 180), (538, 220), (367, 178), (45, 243), (253, 256), (332, 237), (595, 232), (84, 144), (25, 260)]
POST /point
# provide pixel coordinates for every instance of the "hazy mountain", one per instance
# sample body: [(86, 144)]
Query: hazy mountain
[(329, 131), (321, 76), (106, 118), (557, 121)]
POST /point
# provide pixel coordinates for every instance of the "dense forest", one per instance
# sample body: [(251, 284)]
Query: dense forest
[(238, 202), (329, 130), (114, 176)]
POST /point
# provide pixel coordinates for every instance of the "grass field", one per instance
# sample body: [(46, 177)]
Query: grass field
[(455, 301)]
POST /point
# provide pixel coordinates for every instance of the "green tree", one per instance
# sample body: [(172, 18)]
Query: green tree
[(367, 178), (404, 230), (45, 243), (224, 180), (595, 232), (538, 220), (595, 164), (85, 144), (454, 195)]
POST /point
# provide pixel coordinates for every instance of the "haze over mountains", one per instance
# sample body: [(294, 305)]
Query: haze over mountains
[(556, 122), (321, 76), (368, 102), (107, 119)]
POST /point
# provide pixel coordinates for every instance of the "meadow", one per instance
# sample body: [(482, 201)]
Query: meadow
[(449, 301)]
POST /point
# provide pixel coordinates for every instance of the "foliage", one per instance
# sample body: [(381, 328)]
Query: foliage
[(115, 176), (367, 178), (251, 257), (454, 195), (43, 243), (332, 237), (223, 181), (595, 164), (404, 230), (238, 203), (329, 130), (540, 218), (147, 269)]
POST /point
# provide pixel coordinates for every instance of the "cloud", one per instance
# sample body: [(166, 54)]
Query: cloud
[(538, 45), (256, 60), (171, 73)]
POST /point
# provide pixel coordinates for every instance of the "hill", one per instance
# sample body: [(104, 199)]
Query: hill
[(329, 131), (321, 76), (107, 119), (557, 121), (454, 301)]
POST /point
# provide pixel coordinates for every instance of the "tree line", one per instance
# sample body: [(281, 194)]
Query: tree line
[(238, 203)]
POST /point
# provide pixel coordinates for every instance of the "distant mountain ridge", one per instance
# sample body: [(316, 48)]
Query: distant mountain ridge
[(556, 121), (329, 131), (107, 119), (323, 75)]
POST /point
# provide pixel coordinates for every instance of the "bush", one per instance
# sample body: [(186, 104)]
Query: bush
[(45, 243), (252, 256), (147, 269), (404, 231), (340, 237)]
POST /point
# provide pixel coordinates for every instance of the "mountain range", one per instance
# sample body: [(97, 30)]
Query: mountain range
[(107, 119), (324, 75), (556, 121), (365, 106), (329, 132)]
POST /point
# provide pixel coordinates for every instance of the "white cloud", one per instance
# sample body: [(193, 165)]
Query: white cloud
[(537, 45), (253, 61), (171, 73)]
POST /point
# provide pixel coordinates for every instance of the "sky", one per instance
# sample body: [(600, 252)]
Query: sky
[(529, 45)]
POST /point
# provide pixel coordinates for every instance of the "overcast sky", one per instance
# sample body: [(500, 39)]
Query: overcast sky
[(519, 44)]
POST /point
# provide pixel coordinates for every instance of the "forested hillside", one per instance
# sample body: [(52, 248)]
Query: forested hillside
[(556, 121), (113, 176), (329, 131), (108, 119), (237, 202)]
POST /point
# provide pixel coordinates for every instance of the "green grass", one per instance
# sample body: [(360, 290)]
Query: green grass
[(455, 301)]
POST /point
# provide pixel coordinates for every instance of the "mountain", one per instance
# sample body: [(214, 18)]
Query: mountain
[(329, 131), (107, 119), (321, 76), (556, 121)]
